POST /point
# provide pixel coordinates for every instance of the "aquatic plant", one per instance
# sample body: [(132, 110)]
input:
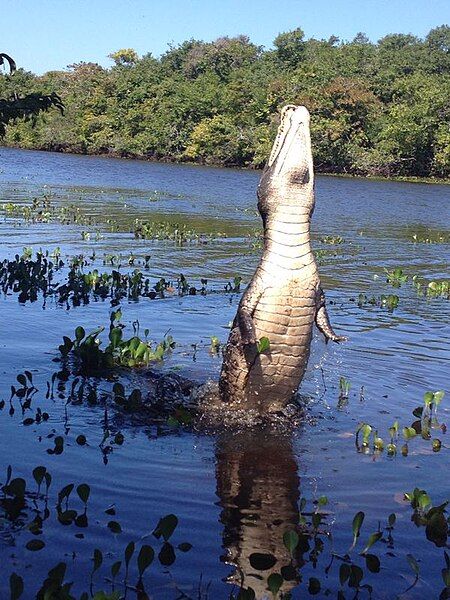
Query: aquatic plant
[(396, 277), (431, 238), (344, 389), (131, 352), (42, 210), (27, 513), (440, 288), (332, 239), (425, 420), (179, 233)]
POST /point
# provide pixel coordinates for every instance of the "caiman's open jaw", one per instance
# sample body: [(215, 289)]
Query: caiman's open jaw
[(291, 153)]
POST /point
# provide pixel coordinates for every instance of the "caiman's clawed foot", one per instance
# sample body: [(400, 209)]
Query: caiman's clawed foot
[(324, 325)]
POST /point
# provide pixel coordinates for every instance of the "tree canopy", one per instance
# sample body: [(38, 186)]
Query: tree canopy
[(28, 107), (377, 108)]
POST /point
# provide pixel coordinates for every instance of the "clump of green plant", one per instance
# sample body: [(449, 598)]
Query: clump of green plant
[(389, 301), (234, 287), (426, 420), (332, 239), (344, 390), (131, 352), (179, 233), (43, 210), (439, 289), (433, 238), (396, 277), (432, 518)]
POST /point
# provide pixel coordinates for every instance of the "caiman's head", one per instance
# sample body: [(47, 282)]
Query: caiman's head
[(288, 177)]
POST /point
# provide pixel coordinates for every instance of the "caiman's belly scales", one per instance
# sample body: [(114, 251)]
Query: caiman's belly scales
[(284, 297), (285, 315)]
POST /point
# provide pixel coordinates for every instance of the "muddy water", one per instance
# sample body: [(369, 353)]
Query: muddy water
[(234, 492)]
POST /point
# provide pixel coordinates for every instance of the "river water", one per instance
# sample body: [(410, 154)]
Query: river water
[(235, 492)]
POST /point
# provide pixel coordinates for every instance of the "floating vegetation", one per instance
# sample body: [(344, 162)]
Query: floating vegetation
[(42, 210), (432, 518), (332, 239), (175, 232), (433, 238), (132, 352), (389, 301), (344, 390), (30, 278), (396, 277), (367, 438), (438, 289), (432, 289)]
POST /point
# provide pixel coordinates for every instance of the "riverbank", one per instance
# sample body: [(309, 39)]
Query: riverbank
[(224, 165)]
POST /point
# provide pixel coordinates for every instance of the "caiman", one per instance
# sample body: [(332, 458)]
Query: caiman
[(284, 298)]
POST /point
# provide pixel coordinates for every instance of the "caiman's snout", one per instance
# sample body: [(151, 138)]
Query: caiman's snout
[(289, 170)]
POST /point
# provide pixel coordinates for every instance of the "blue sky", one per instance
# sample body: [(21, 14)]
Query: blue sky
[(43, 35)]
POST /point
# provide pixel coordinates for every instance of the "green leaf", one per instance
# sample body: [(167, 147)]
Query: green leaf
[(372, 540), (145, 558), (84, 491), (263, 345), (356, 527), (35, 545), (274, 583), (438, 397), (79, 333), (290, 540), (166, 526), (428, 398), (409, 433), (15, 586), (115, 336), (322, 501)]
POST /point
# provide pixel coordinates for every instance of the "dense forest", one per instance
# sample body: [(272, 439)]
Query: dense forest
[(377, 109)]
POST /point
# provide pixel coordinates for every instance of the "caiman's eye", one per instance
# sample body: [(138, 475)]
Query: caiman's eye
[(300, 176)]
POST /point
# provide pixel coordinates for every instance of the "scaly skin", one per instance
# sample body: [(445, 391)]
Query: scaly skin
[(284, 297)]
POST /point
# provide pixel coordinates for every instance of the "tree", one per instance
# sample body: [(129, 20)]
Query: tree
[(290, 47), (124, 57), (26, 107)]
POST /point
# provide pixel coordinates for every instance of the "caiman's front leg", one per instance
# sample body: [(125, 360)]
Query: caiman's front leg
[(323, 321), (246, 309)]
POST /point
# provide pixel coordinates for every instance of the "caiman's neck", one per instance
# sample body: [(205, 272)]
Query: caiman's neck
[(287, 242)]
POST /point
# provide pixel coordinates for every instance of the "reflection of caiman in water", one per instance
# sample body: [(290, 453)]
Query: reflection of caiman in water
[(258, 487)]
